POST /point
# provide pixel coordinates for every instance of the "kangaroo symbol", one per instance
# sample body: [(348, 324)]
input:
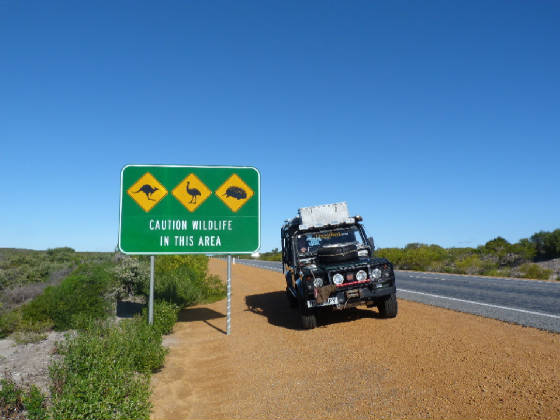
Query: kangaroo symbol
[(193, 192), (148, 190)]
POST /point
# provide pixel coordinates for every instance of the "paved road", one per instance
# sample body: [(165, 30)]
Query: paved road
[(531, 303)]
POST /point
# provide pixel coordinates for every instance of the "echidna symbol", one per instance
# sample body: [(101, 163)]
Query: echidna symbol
[(236, 192)]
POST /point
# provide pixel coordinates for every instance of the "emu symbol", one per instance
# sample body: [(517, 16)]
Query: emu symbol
[(148, 190), (193, 192)]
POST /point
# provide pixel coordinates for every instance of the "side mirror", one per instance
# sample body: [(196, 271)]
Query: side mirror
[(371, 243)]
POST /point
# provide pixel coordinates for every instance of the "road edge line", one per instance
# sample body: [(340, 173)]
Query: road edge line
[(481, 304)]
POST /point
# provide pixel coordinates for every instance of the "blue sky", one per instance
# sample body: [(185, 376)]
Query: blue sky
[(438, 122)]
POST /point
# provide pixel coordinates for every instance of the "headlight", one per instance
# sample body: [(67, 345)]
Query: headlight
[(361, 275), (338, 278), (376, 273), (318, 282)]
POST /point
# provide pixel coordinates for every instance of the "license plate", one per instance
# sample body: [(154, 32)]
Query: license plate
[(330, 301)]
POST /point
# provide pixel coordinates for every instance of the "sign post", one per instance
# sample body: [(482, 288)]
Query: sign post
[(151, 300), (228, 309), (174, 209)]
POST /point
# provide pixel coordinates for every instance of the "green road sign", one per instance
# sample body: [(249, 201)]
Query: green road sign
[(189, 210)]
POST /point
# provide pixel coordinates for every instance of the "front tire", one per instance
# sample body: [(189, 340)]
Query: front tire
[(308, 316), (291, 299), (309, 321), (388, 307)]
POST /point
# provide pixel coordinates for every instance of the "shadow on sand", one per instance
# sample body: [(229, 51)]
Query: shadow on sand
[(275, 306), (201, 314)]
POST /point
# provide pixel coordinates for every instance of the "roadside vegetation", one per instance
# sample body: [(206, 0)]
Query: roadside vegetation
[(496, 257), (274, 255), (104, 366), (24, 274), (14, 399), (20, 267)]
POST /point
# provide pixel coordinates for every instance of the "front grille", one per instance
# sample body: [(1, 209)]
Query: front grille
[(352, 294)]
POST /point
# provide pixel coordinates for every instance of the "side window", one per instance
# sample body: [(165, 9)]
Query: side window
[(289, 251), (302, 243)]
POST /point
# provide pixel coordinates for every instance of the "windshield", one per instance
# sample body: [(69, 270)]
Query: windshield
[(309, 243)]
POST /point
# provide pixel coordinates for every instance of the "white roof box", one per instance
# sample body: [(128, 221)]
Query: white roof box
[(326, 214)]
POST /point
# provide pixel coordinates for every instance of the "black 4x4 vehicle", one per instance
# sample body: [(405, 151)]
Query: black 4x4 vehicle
[(328, 261)]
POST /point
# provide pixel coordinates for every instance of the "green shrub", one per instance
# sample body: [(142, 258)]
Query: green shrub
[(215, 289), (132, 274), (110, 393), (104, 372), (14, 400), (274, 255), (525, 249), (470, 264), (547, 244), (415, 256), (196, 265), (35, 404), (439, 267), (81, 293), (26, 331), (63, 254), (20, 267), (534, 271), (496, 258), (178, 285), (420, 257), (143, 347), (21, 337), (165, 316), (11, 398), (184, 280), (9, 322), (395, 255)]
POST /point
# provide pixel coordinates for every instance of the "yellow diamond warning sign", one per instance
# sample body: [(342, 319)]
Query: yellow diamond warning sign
[(191, 192), (234, 193), (147, 191)]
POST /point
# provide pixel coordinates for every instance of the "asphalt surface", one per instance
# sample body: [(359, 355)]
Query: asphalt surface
[(532, 303)]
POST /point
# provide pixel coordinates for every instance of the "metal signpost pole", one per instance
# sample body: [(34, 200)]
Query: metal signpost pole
[(151, 302), (228, 321)]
